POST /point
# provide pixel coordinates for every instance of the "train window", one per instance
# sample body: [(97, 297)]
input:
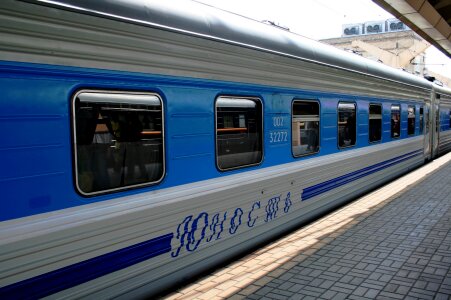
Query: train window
[(375, 128), (421, 120), (118, 140), (450, 119), (395, 121), (239, 138), (305, 127), (346, 124), (411, 120)]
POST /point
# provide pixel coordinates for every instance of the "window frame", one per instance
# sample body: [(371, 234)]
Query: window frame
[(338, 127), (369, 118), (74, 140), (400, 118), (319, 126), (262, 136)]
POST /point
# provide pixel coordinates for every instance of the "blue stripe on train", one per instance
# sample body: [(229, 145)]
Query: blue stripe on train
[(326, 186), (70, 276)]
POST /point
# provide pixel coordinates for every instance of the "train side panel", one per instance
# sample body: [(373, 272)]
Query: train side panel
[(56, 242), (185, 224), (162, 232)]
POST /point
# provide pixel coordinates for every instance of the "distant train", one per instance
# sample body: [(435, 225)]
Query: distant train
[(145, 141)]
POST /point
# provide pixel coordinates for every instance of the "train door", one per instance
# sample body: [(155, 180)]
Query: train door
[(427, 134)]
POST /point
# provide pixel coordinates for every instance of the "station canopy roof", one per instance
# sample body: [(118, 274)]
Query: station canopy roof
[(429, 18)]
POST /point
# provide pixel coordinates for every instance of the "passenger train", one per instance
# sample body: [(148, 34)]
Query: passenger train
[(143, 142)]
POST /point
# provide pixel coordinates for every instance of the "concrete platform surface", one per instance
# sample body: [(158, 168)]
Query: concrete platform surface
[(394, 243)]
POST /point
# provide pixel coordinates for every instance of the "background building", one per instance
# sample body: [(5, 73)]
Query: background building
[(387, 41)]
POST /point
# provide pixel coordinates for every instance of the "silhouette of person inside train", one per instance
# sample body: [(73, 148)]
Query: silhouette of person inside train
[(348, 133), (312, 138), (126, 127), (395, 125), (351, 128), (375, 133), (127, 130)]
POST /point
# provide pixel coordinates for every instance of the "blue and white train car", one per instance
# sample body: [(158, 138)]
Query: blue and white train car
[(442, 98), (146, 141)]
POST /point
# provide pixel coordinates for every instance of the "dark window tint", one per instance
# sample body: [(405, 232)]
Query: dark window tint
[(238, 132), (411, 120), (421, 120), (346, 124), (305, 127), (395, 121), (118, 140), (375, 128)]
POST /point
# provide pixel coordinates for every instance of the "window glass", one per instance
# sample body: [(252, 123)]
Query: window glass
[(427, 121), (238, 132), (375, 128), (118, 140), (346, 124), (395, 121), (450, 119), (305, 127), (421, 120), (410, 120)]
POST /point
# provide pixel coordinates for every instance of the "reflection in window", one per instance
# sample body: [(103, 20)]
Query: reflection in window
[(346, 124), (118, 140), (395, 121), (305, 128), (410, 120), (421, 120), (238, 132), (375, 129)]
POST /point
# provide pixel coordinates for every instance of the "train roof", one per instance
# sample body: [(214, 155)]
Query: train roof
[(442, 89), (198, 19)]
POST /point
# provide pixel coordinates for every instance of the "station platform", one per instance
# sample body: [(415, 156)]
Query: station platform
[(394, 243)]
